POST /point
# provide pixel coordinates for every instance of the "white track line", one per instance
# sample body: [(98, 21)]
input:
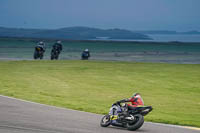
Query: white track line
[(160, 124), (23, 128)]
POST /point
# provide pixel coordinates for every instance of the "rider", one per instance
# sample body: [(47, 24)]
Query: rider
[(57, 46), (41, 45), (135, 100), (85, 54)]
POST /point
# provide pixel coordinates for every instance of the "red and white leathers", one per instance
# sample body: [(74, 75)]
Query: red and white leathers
[(136, 100)]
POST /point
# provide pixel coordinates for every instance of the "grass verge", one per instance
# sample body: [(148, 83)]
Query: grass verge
[(172, 89)]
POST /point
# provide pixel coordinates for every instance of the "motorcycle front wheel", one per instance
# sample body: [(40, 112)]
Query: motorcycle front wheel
[(136, 123), (35, 55), (105, 121)]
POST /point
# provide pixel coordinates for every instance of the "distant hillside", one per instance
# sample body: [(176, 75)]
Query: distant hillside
[(76, 33), (166, 32)]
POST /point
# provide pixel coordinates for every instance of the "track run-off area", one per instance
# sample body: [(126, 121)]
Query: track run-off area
[(19, 116)]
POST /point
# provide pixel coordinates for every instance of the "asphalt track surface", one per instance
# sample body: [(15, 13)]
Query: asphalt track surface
[(18, 116)]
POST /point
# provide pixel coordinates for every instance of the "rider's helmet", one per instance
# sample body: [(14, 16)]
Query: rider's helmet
[(41, 43), (137, 99), (135, 94), (124, 106), (86, 50), (59, 41)]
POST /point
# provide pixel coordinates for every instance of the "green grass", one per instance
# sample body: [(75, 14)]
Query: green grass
[(172, 89)]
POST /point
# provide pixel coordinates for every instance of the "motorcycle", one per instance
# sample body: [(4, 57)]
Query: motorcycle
[(54, 54), (121, 116), (85, 55), (38, 53)]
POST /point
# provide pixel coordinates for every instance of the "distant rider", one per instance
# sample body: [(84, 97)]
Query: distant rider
[(57, 46), (41, 45), (39, 50), (135, 100), (85, 54)]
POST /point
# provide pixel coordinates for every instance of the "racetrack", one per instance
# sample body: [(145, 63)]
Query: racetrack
[(18, 116)]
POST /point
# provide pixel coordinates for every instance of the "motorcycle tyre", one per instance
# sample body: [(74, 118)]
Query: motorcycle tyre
[(41, 57), (35, 56), (52, 55), (107, 123), (56, 57), (137, 124)]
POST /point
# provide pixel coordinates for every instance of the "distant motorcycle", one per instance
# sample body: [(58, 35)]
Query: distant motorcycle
[(39, 52), (55, 53), (121, 116), (85, 54)]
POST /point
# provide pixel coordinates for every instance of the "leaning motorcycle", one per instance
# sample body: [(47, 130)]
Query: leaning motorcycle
[(55, 53), (38, 53), (119, 115)]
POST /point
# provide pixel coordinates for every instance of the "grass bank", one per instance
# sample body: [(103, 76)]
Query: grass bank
[(172, 89)]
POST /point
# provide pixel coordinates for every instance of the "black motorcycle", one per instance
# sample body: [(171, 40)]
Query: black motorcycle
[(56, 49), (121, 116), (39, 53), (55, 54), (85, 55)]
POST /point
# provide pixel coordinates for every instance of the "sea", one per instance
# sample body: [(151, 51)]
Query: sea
[(178, 38), (163, 38)]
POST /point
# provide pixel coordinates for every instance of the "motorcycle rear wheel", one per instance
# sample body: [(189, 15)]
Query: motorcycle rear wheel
[(138, 122), (105, 121)]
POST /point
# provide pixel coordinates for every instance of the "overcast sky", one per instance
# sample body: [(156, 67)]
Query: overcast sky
[(180, 15)]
